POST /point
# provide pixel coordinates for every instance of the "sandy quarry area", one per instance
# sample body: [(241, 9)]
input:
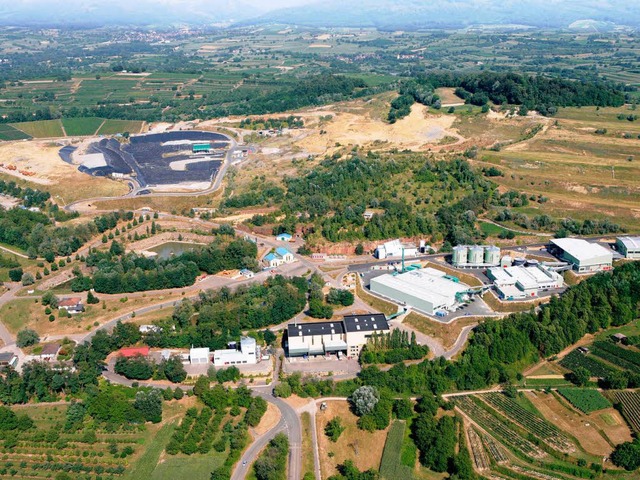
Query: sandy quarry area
[(38, 162), (418, 131)]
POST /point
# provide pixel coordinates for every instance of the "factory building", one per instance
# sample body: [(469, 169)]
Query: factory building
[(475, 256), (585, 257), (346, 336), (629, 247), (247, 354), (428, 290), (520, 282), (394, 248)]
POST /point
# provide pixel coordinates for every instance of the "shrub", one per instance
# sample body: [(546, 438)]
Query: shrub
[(364, 400), (334, 429), (27, 337)]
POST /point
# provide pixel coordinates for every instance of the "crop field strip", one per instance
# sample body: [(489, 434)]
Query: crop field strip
[(596, 368), (539, 427), (626, 358), (497, 427), (630, 402), (391, 466), (478, 453), (8, 133), (494, 448), (585, 400)]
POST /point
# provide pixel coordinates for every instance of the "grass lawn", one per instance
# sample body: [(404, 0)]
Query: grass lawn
[(547, 382), (149, 459), (380, 305), (307, 445), (41, 129), (183, 467), (16, 314), (446, 333), (82, 125)]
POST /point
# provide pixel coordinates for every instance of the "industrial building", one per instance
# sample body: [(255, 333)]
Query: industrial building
[(475, 256), (201, 148), (246, 355), (346, 336), (199, 356), (428, 290), (395, 248), (520, 282), (585, 257), (629, 247)]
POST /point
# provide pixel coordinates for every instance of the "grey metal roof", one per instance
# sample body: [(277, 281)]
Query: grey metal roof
[(370, 322), (316, 328)]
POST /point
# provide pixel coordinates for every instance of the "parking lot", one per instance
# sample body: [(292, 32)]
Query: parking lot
[(321, 365)]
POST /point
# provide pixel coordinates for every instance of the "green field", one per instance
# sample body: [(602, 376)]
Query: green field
[(14, 315), (41, 128), (194, 467), (7, 133), (112, 127), (391, 467), (82, 125), (585, 400)]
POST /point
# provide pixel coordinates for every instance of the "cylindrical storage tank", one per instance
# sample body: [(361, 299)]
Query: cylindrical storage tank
[(532, 263), (519, 261), (476, 255), (459, 255), (492, 255), (506, 261)]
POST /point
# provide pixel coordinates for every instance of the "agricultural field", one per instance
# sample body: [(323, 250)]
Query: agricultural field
[(81, 126), (630, 403), (577, 359), (41, 128), (8, 133), (627, 358), (585, 400), (46, 450), (391, 466), (112, 127)]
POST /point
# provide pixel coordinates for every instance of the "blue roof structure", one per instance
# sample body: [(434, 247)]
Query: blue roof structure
[(282, 251), (271, 256)]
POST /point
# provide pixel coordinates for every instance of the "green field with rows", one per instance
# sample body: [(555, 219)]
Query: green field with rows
[(81, 125), (41, 128), (8, 133), (585, 400), (630, 407), (595, 367), (112, 127), (391, 466)]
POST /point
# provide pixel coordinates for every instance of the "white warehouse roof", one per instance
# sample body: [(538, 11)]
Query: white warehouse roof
[(425, 285), (630, 243), (199, 353), (580, 249)]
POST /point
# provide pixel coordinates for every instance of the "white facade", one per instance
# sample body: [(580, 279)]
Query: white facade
[(394, 248), (199, 356), (584, 256), (427, 290), (520, 282), (246, 355)]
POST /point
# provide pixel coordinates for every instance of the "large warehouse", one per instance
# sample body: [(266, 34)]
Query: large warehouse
[(346, 336), (629, 247), (428, 290), (584, 256)]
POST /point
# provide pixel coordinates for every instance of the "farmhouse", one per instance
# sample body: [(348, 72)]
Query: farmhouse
[(346, 336), (71, 305), (428, 290), (584, 256), (8, 359), (246, 355), (49, 352)]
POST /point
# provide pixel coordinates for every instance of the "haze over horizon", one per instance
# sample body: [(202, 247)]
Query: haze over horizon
[(358, 13)]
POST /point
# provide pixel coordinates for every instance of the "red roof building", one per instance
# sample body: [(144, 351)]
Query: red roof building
[(133, 352)]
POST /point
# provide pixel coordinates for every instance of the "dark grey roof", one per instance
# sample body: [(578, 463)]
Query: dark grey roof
[(6, 357), (316, 328), (370, 322)]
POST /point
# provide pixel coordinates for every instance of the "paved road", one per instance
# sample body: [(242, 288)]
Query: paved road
[(289, 423)]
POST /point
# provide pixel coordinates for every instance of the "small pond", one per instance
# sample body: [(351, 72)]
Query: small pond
[(170, 249)]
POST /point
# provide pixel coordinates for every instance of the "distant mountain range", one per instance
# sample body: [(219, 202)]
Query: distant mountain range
[(393, 14), (385, 14)]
